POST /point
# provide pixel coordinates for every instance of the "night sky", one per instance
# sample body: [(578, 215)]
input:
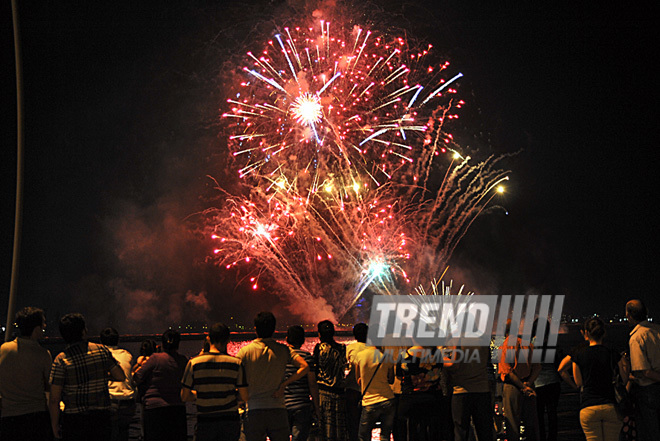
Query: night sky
[(121, 128)]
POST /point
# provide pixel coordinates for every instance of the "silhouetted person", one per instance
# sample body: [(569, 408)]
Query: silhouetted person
[(79, 378), (471, 398), (593, 369), (518, 396), (645, 369), (331, 363), (214, 380), (374, 375), (147, 348), (164, 412), (24, 370), (420, 402), (265, 363), (122, 393), (353, 393), (300, 397)]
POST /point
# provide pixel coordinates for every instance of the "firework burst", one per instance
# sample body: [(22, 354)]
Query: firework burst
[(318, 101), (338, 138)]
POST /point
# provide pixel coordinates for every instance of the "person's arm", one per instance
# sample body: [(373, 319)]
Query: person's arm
[(117, 373), (242, 386), (504, 367), (243, 393), (649, 373), (139, 362), (141, 374), (188, 394), (516, 381), (565, 370), (54, 409), (390, 374), (640, 367), (624, 368), (303, 368), (577, 375), (314, 392), (48, 364)]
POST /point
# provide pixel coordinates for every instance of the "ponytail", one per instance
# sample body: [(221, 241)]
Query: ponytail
[(170, 341)]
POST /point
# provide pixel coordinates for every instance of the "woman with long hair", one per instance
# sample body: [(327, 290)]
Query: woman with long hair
[(147, 348), (164, 412)]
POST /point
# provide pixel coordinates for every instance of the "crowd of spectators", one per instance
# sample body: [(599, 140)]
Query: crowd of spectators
[(337, 392)]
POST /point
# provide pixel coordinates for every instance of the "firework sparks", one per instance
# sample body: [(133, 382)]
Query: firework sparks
[(306, 109), (331, 103), (338, 141)]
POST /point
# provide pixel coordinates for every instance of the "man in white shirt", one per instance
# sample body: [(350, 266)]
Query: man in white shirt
[(265, 362), (24, 370), (645, 370), (122, 393)]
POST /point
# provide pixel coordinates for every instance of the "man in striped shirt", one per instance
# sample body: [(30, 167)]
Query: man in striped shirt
[(301, 397), (215, 380)]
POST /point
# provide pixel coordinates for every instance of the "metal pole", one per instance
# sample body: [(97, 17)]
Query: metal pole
[(18, 218)]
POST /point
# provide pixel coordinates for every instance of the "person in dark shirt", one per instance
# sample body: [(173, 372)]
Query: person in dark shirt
[(593, 369), (215, 381), (331, 364), (418, 402), (164, 412)]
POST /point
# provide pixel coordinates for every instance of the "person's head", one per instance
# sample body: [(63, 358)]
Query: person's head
[(219, 334), (29, 318), (594, 329), (636, 311), (295, 336), (264, 324), (326, 331), (360, 331), (147, 348), (170, 340), (541, 340), (109, 337), (72, 327)]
